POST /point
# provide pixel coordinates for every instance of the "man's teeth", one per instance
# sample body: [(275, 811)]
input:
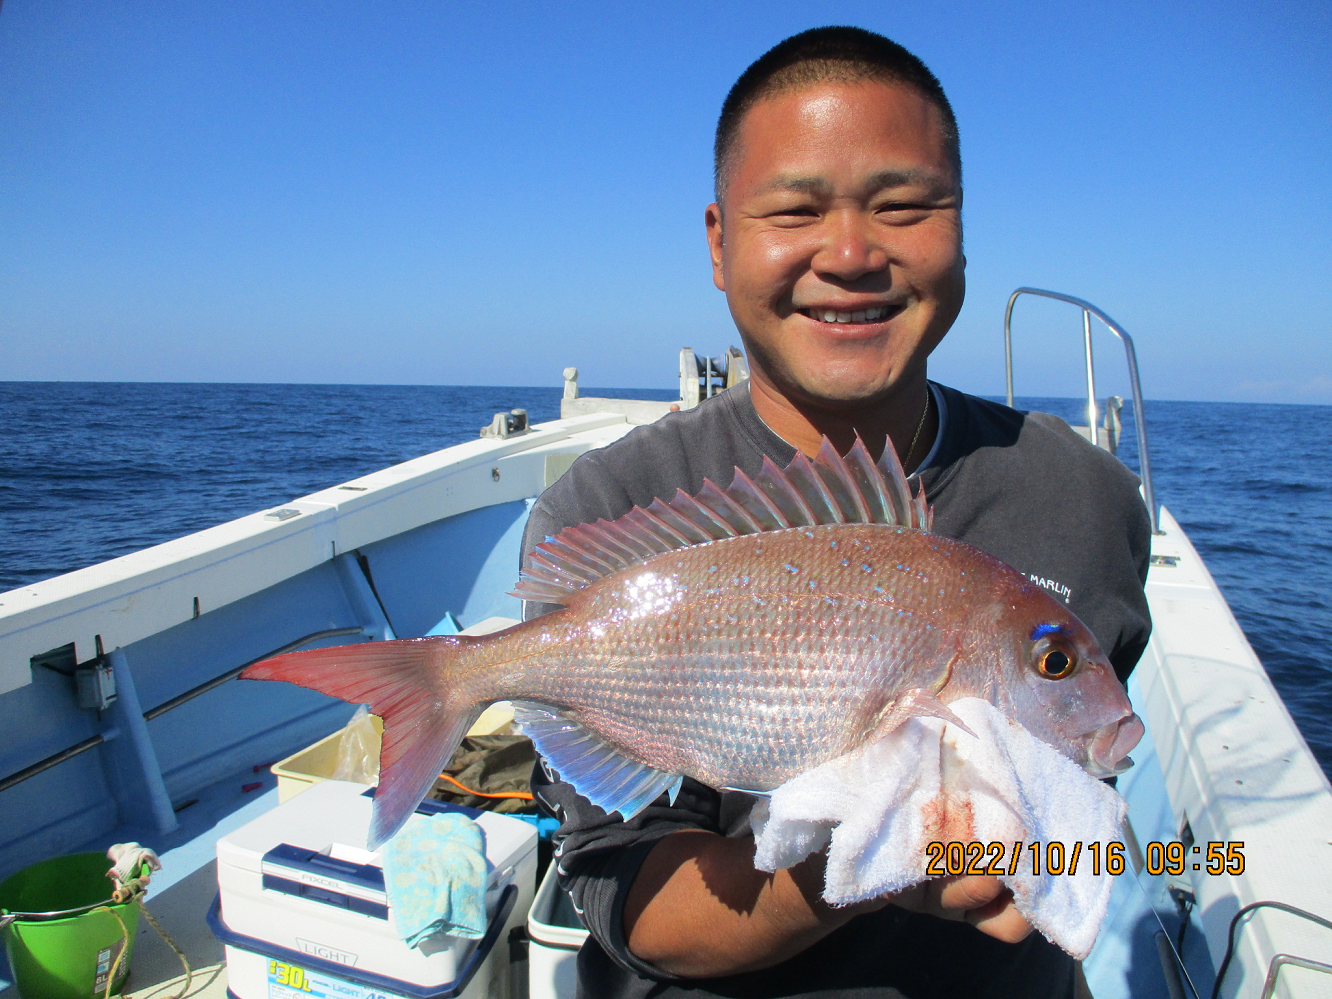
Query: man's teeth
[(861, 316)]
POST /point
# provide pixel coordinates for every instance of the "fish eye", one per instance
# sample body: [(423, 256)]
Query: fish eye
[(1055, 665)]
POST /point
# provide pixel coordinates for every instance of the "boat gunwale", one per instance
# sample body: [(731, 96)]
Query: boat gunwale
[(125, 599)]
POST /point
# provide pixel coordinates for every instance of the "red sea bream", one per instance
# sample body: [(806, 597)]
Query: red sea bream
[(740, 637)]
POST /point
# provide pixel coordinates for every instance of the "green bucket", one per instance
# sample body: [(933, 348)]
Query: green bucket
[(60, 938)]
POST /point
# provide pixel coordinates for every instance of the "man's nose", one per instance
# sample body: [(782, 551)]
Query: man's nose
[(851, 247)]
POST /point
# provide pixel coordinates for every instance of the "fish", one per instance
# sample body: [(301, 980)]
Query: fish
[(741, 637)]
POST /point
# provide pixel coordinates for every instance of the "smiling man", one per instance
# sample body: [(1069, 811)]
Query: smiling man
[(837, 238)]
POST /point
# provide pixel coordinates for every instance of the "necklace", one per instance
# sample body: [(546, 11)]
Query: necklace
[(919, 427)]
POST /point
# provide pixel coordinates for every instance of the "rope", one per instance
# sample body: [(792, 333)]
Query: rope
[(524, 795), (137, 892), (124, 949)]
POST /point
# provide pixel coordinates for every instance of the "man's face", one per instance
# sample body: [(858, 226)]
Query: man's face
[(840, 248)]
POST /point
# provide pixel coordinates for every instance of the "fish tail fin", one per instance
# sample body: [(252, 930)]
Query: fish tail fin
[(411, 685)]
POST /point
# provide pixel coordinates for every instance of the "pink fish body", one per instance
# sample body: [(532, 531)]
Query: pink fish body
[(740, 638)]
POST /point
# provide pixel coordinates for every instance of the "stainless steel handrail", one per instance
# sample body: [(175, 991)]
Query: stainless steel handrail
[(1139, 417)]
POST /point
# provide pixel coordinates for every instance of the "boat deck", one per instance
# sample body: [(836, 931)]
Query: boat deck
[(181, 893), (390, 554)]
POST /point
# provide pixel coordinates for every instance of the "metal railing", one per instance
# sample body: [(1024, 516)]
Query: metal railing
[(1139, 417)]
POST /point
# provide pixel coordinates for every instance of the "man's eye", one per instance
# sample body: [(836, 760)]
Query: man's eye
[(902, 213)]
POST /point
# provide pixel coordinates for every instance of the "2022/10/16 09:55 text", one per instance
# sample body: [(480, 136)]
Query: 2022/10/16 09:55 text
[(1054, 857)]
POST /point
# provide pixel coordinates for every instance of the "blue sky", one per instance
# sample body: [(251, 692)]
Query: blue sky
[(458, 193)]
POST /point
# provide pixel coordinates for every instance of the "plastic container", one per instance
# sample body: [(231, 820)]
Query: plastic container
[(258, 969), (319, 762), (298, 887), (556, 934), (313, 764), (62, 941)]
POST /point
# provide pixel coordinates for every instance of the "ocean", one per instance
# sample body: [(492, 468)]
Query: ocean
[(92, 471)]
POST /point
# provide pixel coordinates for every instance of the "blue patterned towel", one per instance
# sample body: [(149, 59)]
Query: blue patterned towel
[(435, 876)]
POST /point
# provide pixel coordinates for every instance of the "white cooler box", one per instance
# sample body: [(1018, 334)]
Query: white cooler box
[(302, 910), (557, 935)]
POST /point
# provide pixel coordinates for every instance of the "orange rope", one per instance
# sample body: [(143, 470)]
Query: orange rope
[(525, 795)]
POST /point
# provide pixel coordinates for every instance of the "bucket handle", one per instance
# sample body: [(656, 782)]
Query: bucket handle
[(7, 917)]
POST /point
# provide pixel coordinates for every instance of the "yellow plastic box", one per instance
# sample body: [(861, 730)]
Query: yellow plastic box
[(316, 763)]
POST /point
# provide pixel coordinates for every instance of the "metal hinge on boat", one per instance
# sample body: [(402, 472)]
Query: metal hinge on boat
[(96, 686)]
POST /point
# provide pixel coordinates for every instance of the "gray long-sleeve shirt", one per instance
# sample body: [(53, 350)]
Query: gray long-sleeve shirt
[(1023, 487)]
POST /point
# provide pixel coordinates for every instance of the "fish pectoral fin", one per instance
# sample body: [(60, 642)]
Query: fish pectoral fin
[(917, 702), (598, 771)]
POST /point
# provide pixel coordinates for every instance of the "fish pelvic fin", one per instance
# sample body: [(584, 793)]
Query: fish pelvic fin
[(406, 683), (831, 489), (595, 769), (916, 703)]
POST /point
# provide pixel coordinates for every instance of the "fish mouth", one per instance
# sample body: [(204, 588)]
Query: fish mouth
[(1108, 748)]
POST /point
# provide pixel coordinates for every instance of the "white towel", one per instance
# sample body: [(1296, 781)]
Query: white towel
[(878, 809)]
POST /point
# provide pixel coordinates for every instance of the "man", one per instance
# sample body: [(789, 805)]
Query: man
[(836, 236)]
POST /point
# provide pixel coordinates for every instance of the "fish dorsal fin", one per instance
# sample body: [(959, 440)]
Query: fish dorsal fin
[(596, 770), (831, 489)]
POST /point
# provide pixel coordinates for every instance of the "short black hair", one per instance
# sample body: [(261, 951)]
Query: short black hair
[(821, 55)]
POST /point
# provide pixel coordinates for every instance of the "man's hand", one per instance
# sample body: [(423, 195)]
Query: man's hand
[(699, 909), (981, 900)]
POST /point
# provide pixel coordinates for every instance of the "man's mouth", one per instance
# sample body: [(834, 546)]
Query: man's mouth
[(858, 317)]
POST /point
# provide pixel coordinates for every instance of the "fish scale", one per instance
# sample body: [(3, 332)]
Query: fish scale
[(741, 637), (685, 671)]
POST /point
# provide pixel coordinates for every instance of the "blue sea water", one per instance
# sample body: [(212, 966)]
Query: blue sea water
[(91, 471)]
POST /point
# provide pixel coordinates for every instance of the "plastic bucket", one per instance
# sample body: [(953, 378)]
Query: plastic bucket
[(59, 937)]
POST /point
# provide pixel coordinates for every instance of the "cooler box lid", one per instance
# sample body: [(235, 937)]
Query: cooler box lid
[(320, 836)]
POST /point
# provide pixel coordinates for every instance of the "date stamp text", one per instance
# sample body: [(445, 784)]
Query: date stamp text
[(1054, 857)]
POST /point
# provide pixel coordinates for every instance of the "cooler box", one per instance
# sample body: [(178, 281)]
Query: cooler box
[(555, 934), (302, 910)]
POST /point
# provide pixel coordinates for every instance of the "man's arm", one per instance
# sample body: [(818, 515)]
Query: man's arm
[(699, 909)]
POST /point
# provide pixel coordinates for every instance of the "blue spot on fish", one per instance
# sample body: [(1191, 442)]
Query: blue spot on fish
[(791, 568), (1045, 629), (865, 567)]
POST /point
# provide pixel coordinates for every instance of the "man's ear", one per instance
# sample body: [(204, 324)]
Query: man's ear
[(712, 220)]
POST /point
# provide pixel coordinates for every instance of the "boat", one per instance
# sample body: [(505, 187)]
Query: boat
[(123, 723)]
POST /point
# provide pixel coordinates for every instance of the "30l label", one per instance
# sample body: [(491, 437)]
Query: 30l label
[(290, 981)]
